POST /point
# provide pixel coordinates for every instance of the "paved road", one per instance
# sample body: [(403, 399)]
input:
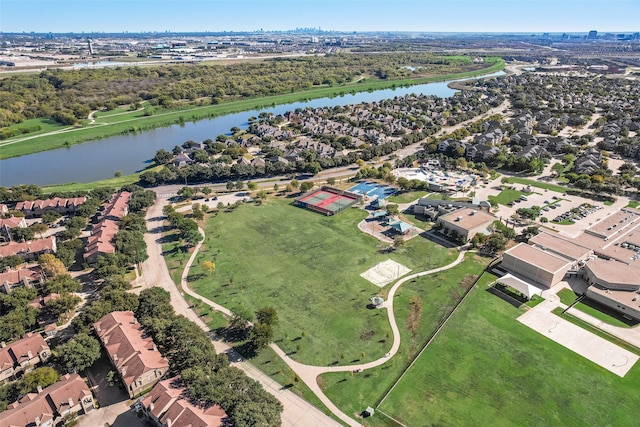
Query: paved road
[(297, 412)]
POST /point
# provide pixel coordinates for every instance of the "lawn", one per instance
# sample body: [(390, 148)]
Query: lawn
[(407, 196), (603, 313), (633, 204), (33, 127), (506, 196), (272, 365), (534, 183), (439, 294), (416, 220), (487, 369), (567, 296), (307, 267), (115, 182)]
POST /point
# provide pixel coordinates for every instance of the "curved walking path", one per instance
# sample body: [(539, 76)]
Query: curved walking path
[(297, 411), (309, 373)]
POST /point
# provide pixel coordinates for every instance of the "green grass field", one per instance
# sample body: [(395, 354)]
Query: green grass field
[(307, 266), (487, 369), (507, 196), (633, 204), (135, 121), (439, 293), (406, 196), (26, 128), (115, 182), (533, 183), (567, 296)]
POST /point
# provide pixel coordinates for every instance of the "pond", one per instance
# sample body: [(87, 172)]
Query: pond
[(100, 159)]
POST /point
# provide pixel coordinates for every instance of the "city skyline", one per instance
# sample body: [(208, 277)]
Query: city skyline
[(332, 15)]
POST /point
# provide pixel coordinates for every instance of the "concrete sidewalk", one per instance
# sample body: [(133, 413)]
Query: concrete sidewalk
[(600, 351)]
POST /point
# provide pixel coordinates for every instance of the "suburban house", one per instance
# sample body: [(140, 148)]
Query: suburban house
[(133, 354), (30, 277), (101, 240), (70, 395), (168, 405), (117, 207), (30, 250), (8, 224), (23, 355), (466, 223), (36, 208)]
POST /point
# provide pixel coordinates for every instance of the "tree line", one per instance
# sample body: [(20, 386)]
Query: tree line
[(68, 96)]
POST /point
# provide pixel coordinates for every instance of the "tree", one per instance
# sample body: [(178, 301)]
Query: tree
[(60, 284), (393, 209), (186, 192), (239, 185), (404, 183), (398, 241), (331, 181), (260, 335), (132, 245), (154, 302), (39, 228), (267, 316), (496, 243), (51, 265), (295, 183), (63, 304), (197, 212), (79, 353), (43, 377), (230, 185), (20, 234), (306, 186), (162, 157), (252, 186), (209, 267), (49, 217)]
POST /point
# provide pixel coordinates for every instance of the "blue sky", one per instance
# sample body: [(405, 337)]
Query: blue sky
[(341, 15)]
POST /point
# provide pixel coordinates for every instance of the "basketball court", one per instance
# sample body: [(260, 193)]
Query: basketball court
[(600, 351), (385, 273)]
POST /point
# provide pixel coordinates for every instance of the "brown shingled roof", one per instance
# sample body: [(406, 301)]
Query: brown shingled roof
[(46, 404), (168, 401), (131, 351), (33, 246)]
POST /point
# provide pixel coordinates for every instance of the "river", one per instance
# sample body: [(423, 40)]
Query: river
[(100, 159)]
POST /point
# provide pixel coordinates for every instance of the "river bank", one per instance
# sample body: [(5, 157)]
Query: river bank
[(26, 144)]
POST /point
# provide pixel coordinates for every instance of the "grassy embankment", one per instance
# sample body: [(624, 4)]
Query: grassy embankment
[(115, 182), (136, 121)]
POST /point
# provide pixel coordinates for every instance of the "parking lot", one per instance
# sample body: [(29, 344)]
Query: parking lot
[(562, 203)]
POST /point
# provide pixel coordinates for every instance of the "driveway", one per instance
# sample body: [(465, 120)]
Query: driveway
[(114, 402)]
